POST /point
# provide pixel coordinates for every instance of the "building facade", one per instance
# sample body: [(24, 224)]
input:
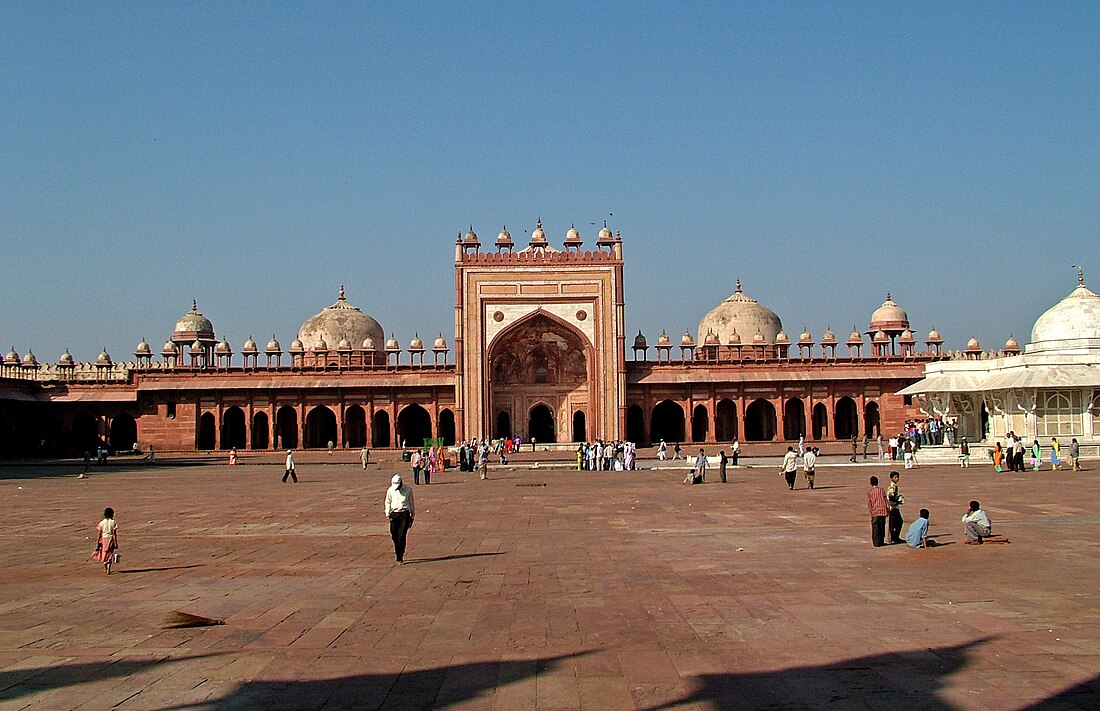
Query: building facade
[(540, 350)]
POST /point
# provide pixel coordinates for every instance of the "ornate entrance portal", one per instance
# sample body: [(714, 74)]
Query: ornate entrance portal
[(539, 377)]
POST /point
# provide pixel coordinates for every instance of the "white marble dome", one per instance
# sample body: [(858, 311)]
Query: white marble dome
[(341, 320), (740, 313), (1072, 323)]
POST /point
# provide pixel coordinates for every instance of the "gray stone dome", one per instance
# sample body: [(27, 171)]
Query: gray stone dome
[(341, 320), (742, 314)]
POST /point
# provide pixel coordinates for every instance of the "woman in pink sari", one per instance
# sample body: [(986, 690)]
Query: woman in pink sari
[(107, 547)]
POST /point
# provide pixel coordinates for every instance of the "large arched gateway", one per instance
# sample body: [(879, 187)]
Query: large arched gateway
[(539, 376)]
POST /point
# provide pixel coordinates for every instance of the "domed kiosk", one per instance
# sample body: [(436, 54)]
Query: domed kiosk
[(740, 314)]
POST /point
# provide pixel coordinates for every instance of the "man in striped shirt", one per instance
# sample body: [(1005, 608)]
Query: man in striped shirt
[(879, 510)]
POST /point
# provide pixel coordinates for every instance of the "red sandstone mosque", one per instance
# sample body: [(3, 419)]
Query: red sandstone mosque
[(538, 350)]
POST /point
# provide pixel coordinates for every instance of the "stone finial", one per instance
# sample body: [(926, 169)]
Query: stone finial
[(342, 296)]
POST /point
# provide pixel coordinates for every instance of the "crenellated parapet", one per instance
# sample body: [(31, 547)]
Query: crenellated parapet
[(540, 257)]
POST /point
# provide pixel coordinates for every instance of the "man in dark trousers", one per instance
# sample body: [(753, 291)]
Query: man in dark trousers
[(290, 467), (879, 510), (722, 459), (400, 512)]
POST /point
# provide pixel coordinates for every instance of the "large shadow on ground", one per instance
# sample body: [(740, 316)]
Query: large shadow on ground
[(909, 679), (16, 683), (435, 688), (894, 680)]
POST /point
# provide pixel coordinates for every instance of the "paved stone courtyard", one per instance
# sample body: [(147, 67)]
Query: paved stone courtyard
[(545, 589)]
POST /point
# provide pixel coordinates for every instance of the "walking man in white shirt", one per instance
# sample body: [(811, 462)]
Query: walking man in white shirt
[(290, 467), (400, 512), (809, 465)]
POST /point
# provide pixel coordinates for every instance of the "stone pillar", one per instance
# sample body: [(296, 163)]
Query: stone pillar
[(712, 415)]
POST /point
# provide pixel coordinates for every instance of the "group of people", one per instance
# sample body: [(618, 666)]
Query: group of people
[(809, 465), (1011, 455), (427, 461), (884, 507), (618, 455)]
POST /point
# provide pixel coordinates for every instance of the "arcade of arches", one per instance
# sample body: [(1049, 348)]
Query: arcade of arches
[(764, 420)]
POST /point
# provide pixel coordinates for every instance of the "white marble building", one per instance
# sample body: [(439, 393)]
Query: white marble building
[(1051, 389)]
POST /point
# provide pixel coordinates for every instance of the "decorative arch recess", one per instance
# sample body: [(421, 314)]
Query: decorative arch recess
[(539, 360)]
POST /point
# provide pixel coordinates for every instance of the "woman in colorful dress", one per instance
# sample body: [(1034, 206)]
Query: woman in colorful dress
[(998, 456), (1055, 454), (1036, 456), (107, 546)]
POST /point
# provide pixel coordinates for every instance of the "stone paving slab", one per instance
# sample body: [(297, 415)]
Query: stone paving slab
[(545, 589)]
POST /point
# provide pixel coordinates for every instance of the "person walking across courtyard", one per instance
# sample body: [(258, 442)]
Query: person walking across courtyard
[(701, 466), (790, 467), (722, 461), (290, 467), (364, 457), (878, 508), (1073, 459), (1055, 454), (416, 461), (107, 540), (400, 511), (809, 466)]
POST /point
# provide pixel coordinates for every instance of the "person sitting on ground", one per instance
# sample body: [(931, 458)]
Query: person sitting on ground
[(977, 524), (917, 535)]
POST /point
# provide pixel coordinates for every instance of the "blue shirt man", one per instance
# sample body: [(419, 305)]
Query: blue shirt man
[(917, 535)]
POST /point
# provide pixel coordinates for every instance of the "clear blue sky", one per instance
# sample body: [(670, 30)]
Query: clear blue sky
[(256, 156)]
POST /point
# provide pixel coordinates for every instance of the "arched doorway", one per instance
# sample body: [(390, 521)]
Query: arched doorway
[(540, 359), (320, 427), (760, 421), (667, 422), (725, 420), (446, 426), (123, 433), (504, 425), (233, 431), (380, 429), (794, 419), (414, 425), (85, 433), (871, 420), (635, 424), (579, 433), (286, 427), (699, 422), (540, 424), (845, 420), (207, 432), (355, 426), (260, 433), (821, 421)]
